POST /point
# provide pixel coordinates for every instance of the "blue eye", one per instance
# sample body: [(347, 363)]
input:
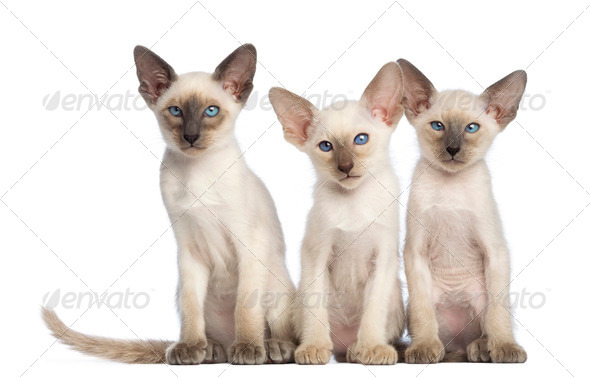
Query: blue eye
[(325, 146), (472, 128), (437, 125), (211, 111), (361, 139), (175, 111)]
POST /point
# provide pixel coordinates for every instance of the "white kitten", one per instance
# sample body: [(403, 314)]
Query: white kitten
[(350, 249), (455, 256), (230, 243)]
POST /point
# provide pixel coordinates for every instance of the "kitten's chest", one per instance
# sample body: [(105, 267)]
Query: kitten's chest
[(451, 213), (199, 192), (354, 212)]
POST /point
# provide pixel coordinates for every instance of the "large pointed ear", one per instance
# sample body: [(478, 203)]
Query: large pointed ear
[(295, 113), (154, 74), (418, 90), (503, 97), (383, 96), (236, 72)]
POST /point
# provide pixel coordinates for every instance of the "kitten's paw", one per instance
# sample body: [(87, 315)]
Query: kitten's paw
[(372, 355), (214, 352), (509, 352), (247, 353), (182, 353), (312, 355), (477, 351), (278, 351), (425, 352)]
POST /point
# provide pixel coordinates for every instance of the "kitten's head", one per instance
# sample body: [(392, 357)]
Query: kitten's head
[(346, 140), (196, 109), (456, 128)]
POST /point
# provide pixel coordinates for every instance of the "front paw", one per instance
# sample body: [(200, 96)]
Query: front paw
[(312, 355), (372, 355), (425, 352), (247, 353), (477, 351), (278, 351), (509, 352), (182, 353)]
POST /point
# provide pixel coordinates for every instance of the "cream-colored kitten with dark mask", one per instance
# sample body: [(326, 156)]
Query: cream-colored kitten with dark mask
[(456, 259), (350, 301), (231, 253)]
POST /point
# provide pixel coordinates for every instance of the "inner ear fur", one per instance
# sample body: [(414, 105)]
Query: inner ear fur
[(418, 90), (154, 74), (383, 96), (236, 72), (295, 114), (503, 97)]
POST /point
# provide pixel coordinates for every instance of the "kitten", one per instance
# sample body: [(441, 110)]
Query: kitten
[(456, 258), (350, 248), (231, 252)]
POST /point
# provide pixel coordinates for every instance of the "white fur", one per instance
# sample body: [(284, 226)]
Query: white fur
[(230, 243)]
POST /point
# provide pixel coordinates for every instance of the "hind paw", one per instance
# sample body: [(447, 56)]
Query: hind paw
[(214, 352), (477, 351), (278, 351)]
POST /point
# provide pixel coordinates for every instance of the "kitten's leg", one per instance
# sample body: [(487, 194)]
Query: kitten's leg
[(497, 322), (315, 343), (248, 347), (280, 348), (192, 289), (426, 346), (372, 345)]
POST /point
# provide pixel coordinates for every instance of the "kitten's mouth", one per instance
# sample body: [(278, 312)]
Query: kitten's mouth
[(350, 177), (453, 161), (192, 147)]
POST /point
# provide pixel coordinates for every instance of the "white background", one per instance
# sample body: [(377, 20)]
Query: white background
[(81, 209)]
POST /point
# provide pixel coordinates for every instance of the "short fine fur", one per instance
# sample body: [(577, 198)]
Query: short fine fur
[(349, 299), (456, 259), (234, 291)]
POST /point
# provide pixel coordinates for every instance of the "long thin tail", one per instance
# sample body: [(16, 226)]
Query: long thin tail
[(137, 351)]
